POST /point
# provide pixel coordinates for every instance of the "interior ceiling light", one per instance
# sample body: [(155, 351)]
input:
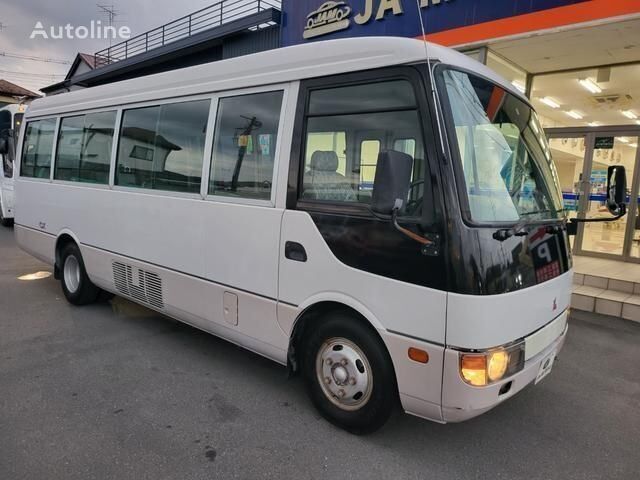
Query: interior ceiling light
[(638, 122), (550, 102), (593, 124), (633, 145), (629, 114), (623, 139), (574, 114), (590, 85), (519, 85)]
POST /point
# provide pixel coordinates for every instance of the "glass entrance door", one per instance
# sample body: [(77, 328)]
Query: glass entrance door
[(582, 158), (569, 154)]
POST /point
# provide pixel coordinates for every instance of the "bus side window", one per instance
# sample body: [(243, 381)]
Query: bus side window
[(37, 148), (244, 145), (162, 146), (347, 128), (84, 148)]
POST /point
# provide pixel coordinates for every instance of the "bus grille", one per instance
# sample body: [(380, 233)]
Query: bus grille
[(146, 288)]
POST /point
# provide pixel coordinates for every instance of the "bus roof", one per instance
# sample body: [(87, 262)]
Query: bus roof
[(280, 65)]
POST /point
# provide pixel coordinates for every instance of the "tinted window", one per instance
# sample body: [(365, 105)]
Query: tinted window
[(36, 151), (397, 94), (162, 147), (84, 148), (245, 145), (342, 149)]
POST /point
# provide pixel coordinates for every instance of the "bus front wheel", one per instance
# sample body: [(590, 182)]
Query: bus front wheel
[(348, 374), (76, 285)]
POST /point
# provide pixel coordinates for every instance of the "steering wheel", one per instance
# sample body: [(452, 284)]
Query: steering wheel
[(413, 205)]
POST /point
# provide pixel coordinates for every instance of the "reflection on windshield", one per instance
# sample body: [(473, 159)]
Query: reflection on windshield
[(505, 157)]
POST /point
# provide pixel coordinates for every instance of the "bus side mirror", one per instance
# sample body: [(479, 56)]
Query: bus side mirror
[(617, 190), (392, 182)]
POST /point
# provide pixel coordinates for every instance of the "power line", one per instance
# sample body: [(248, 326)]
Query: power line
[(31, 74), (35, 59)]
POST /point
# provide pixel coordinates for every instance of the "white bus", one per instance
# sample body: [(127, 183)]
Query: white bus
[(390, 234), (10, 121)]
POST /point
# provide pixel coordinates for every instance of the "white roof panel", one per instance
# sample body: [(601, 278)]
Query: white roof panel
[(274, 66)]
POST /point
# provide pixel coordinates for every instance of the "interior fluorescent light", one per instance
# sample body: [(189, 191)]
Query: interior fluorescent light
[(634, 145), (519, 85), (623, 139), (629, 114), (638, 122), (590, 85), (574, 114), (550, 102), (593, 124)]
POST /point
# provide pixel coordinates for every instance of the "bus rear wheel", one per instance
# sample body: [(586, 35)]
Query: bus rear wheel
[(349, 375), (76, 285)]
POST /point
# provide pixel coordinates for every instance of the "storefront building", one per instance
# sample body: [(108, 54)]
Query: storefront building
[(577, 60)]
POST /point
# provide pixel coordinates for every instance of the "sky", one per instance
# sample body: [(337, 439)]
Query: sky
[(19, 17)]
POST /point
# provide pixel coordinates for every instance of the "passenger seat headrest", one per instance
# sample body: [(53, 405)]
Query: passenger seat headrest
[(324, 161)]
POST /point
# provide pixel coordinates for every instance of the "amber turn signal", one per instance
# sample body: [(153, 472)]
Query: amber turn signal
[(418, 355), (474, 369)]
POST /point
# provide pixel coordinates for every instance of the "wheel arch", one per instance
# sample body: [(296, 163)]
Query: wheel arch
[(312, 310), (64, 237)]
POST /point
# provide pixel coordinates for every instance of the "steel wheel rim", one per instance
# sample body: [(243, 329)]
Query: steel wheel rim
[(72, 273), (344, 374)]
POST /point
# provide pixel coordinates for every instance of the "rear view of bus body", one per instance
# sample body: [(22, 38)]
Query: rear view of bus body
[(299, 203)]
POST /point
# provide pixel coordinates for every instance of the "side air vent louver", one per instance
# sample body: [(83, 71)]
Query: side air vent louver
[(143, 286)]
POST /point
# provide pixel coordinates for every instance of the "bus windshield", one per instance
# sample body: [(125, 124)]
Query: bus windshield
[(506, 161)]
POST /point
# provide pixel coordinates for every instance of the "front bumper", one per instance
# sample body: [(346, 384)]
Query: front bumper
[(461, 401)]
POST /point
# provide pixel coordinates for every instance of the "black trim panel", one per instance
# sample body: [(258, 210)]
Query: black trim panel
[(356, 236)]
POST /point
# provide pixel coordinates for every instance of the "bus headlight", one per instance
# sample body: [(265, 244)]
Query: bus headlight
[(484, 368)]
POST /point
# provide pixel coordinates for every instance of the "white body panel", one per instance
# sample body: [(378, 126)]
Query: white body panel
[(382, 300), (488, 321)]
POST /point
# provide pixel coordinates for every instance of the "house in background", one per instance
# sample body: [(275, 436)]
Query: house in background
[(11, 93)]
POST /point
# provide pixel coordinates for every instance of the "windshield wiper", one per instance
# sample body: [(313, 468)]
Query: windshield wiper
[(518, 230), (555, 225)]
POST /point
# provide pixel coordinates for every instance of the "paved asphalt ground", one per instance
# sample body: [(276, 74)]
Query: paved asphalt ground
[(113, 391)]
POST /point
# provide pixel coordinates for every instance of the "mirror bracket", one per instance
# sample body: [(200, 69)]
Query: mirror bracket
[(572, 224), (430, 241)]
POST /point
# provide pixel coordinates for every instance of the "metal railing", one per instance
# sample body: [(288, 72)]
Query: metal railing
[(220, 13)]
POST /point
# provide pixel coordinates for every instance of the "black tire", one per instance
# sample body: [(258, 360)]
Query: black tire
[(84, 292), (5, 222), (383, 397)]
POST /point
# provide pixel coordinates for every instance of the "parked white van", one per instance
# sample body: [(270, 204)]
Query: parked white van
[(10, 122)]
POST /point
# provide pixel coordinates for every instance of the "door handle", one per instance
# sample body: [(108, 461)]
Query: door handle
[(295, 251)]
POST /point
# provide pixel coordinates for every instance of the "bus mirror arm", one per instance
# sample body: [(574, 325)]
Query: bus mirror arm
[(572, 224), (430, 242)]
